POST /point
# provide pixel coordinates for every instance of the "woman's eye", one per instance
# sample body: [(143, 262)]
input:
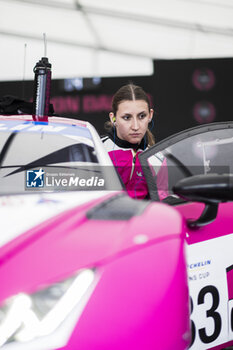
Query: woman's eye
[(141, 116), (126, 117)]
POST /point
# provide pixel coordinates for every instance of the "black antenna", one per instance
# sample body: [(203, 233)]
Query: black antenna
[(24, 69), (45, 45), (42, 86)]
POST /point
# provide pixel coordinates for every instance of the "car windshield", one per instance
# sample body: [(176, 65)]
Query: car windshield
[(63, 154), (200, 150)]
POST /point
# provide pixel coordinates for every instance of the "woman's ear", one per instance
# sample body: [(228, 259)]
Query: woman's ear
[(151, 114), (112, 118)]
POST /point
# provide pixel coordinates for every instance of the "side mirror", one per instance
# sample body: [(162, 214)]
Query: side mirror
[(210, 189)]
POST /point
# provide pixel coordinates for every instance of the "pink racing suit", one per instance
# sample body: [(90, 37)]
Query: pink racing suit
[(124, 156)]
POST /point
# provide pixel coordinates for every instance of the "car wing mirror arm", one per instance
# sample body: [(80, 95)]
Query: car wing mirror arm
[(208, 215)]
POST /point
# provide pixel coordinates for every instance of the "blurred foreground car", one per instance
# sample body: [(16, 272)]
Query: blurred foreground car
[(198, 165), (82, 265)]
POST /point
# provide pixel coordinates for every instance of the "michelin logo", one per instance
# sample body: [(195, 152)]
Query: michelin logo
[(35, 178)]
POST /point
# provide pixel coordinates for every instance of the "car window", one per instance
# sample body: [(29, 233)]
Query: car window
[(200, 150), (60, 151)]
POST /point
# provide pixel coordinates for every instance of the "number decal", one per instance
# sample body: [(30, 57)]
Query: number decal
[(193, 329), (231, 319), (210, 313), (204, 337)]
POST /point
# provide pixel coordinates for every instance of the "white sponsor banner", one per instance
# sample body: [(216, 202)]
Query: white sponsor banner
[(211, 309)]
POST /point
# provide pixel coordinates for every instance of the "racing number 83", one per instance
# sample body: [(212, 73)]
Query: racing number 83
[(205, 338)]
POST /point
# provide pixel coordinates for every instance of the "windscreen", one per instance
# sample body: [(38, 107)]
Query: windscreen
[(36, 157)]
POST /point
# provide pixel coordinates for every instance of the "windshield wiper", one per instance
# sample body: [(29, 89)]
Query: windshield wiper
[(6, 147), (72, 153)]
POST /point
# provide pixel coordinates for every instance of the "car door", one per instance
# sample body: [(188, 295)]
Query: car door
[(201, 152)]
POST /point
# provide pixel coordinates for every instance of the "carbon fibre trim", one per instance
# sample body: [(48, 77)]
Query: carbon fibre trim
[(120, 207)]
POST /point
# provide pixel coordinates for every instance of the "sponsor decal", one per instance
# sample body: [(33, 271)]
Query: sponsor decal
[(42, 200), (199, 264), (50, 128)]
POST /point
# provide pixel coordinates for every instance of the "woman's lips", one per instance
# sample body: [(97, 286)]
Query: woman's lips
[(135, 135)]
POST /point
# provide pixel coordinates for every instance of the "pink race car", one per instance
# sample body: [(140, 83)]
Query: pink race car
[(83, 266)]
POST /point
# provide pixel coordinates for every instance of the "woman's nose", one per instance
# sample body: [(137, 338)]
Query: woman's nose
[(135, 124)]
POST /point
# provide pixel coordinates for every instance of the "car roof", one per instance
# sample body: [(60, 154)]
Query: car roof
[(54, 119)]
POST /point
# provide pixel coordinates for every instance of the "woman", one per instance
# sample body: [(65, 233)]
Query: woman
[(129, 135)]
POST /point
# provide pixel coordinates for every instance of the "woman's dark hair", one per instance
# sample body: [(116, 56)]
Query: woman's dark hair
[(131, 92)]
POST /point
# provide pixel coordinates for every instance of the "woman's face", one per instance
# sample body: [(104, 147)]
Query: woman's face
[(132, 118)]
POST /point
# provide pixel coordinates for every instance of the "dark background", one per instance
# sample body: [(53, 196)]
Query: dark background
[(182, 85), (183, 93)]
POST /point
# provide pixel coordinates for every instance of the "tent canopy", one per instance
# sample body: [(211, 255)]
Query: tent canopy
[(110, 38)]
